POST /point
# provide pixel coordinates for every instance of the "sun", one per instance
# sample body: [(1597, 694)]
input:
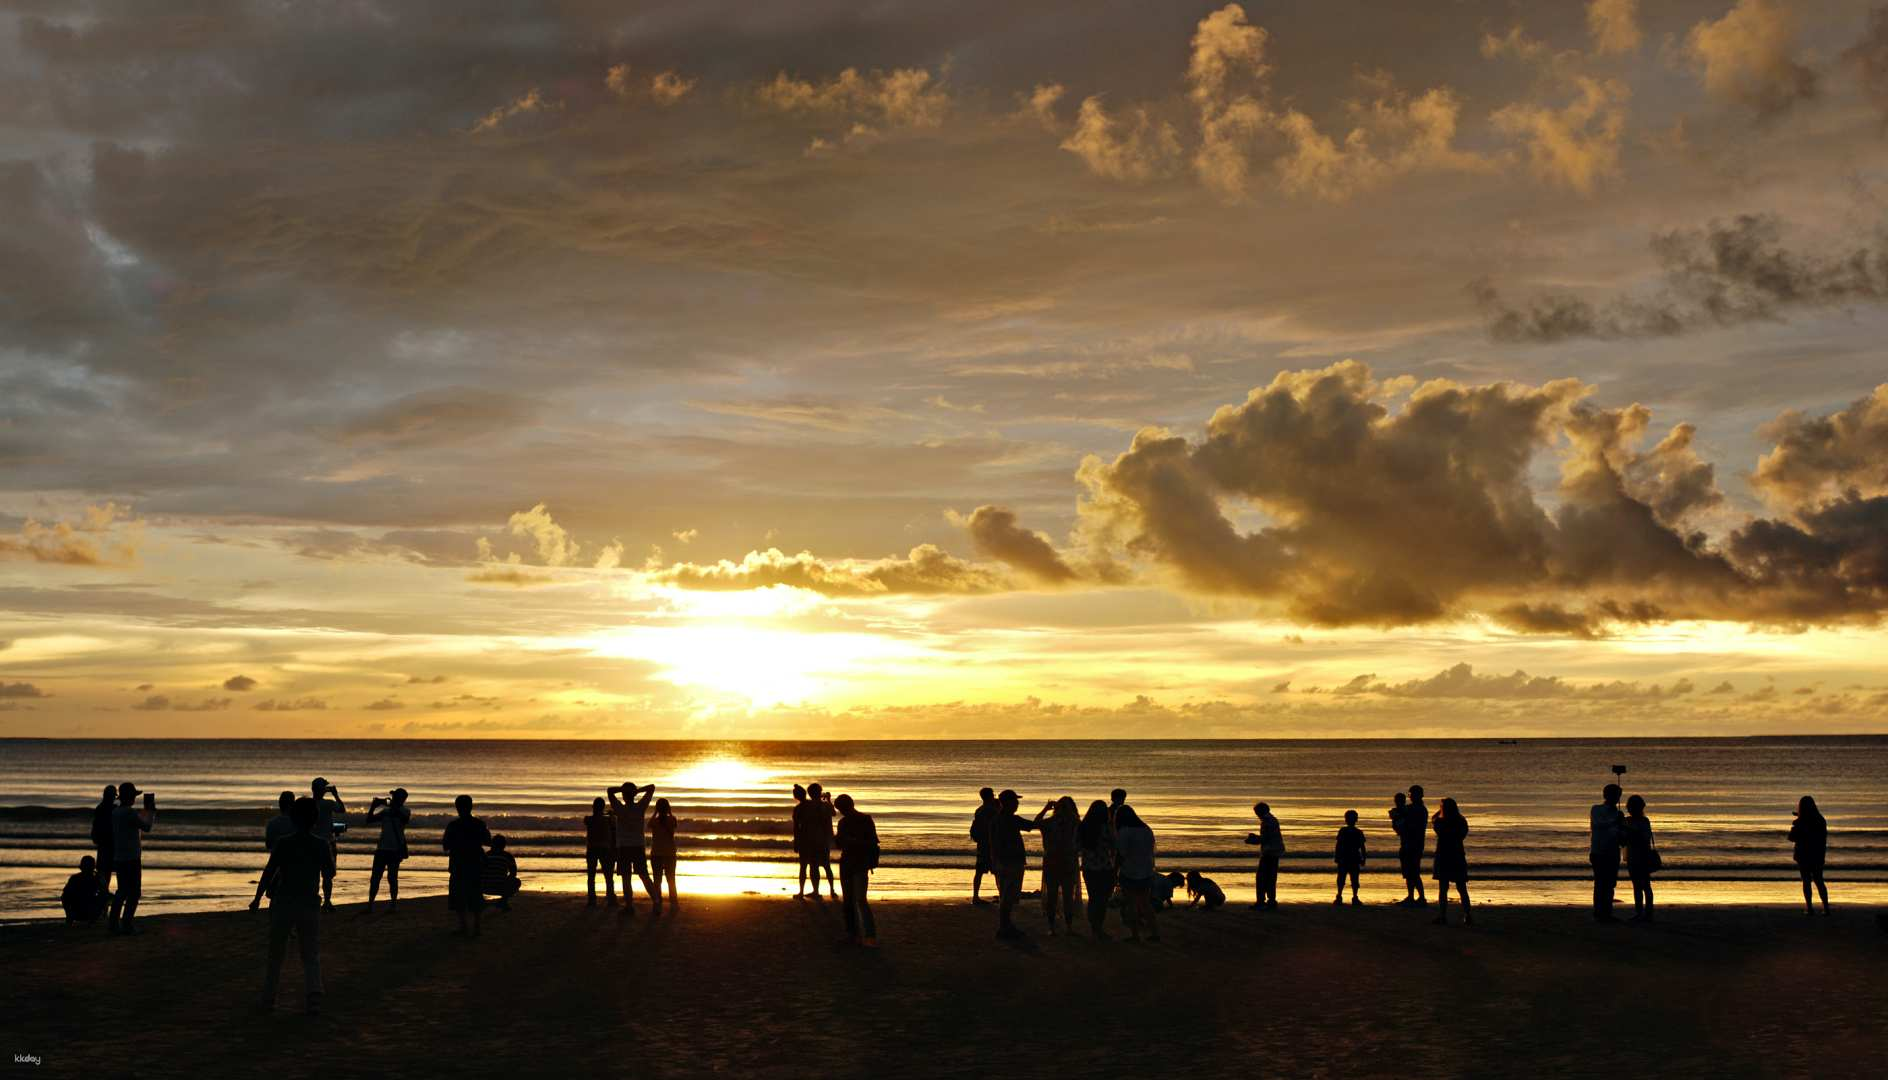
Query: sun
[(718, 774)]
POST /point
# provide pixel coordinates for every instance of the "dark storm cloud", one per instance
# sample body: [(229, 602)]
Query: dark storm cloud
[(1725, 274), (240, 683)]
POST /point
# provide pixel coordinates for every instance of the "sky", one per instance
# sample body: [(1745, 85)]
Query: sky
[(447, 368)]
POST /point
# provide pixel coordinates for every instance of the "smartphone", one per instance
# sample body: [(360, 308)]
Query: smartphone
[(150, 799)]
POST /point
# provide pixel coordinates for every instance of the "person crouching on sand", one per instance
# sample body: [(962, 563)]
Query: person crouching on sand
[(857, 838), (1451, 860), (297, 866), (1203, 889), (465, 841), (1350, 857), (81, 899), (662, 851)]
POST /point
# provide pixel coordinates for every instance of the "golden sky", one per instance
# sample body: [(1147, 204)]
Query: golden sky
[(910, 369)]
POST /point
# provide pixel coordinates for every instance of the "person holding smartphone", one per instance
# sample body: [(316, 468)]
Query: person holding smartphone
[(129, 824), (325, 809), (393, 815)]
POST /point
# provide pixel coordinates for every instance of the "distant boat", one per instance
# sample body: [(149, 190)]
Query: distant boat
[(1507, 742)]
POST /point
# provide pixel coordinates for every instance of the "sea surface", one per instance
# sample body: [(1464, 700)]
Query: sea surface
[(1721, 808)]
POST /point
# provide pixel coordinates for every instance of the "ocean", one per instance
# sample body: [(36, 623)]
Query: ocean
[(1720, 808)]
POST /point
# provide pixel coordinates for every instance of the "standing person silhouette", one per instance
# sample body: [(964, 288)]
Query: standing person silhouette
[(1642, 858), (799, 840), (628, 815), (1061, 880), (1603, 852), (1410, 840), (857, 837), (101, 836), (298, 863), (282, 824), (1010, 858), (1350, 857), (1096, 840), (128, 826), (325, 809), (819, 838), (1134, 849), (464, 841), (599, 851), (1271, 844), (1810, 835), (662, 851), (1451, 861), (980, 835), (390, 850)]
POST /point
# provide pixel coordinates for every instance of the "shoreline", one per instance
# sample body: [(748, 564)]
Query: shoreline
[(757, 987)]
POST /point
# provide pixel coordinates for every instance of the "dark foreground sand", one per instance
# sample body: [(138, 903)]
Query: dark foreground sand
[(744, 987)]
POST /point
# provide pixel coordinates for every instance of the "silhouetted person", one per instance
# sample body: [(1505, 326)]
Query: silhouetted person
[(1451, 861), (1096, 839), (390, 850), (1059, 823), (857, 838), (1350, 857), (629, 839), (662, 851), (81, 899), (1603, 852), (1810, 833), (297, 866), (980, 835), (1134, 849), (1411, 836), (101, 836), (599, 850), (498, 874), (1009, 857), (799, 840), (282, 824), (1117, 799), (325, 809), (1202, 889), (464, 840), (819, 838), (1642, 858), (128, 826), (1271, 844)]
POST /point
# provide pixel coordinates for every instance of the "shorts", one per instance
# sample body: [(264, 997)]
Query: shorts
[(661, 864), (631, 860), (388, 860), (983, 858), (1411, 859), (818, 854)]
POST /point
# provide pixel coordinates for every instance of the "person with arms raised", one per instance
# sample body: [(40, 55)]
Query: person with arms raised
[(1060, 822), (128, 826), (390, 851), (631, 857), (325, 811)]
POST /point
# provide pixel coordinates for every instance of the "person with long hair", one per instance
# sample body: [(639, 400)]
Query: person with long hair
[(1810, 833), (1061, 879), (1451, 860), (1642, 859), (1095, 838), (1134, 843), (662, 851), (390, 852)]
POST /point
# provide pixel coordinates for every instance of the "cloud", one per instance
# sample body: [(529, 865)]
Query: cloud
[(20, 690), (1818, 457), (1461, 682), (554, 545), (441, 417), (1039, 104), (1745, 58), (240, 683), (386, 705), (102, 536), (530, 102), (685, 536), (663, 88), (926, 570), (1392, 135), (1574, 144), (1228, 54), (161, 703), (306, 704), (1136, 149), (1724, 687), (1868, 57), (507, 574), (902, 97), (1613, 25), (425, 680), (994, 531), (1725, 274)]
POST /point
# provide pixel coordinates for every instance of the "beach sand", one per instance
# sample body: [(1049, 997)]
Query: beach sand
[(747, 987)]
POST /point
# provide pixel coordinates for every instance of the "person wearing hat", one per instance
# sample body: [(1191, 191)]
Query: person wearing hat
[(1008, 857), (128, 825)]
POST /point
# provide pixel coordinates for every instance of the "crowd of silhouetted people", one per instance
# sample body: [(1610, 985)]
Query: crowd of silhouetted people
[(1091, 862)]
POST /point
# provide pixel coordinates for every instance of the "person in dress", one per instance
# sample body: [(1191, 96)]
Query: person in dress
[(390, 851), (1350, 857), (464, 840), (1642, 858), (1451, 860), (1096, 840), (662, 851), (1810, 835)]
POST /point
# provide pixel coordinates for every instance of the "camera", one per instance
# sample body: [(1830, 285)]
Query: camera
[(337, 828), (1619, 770)]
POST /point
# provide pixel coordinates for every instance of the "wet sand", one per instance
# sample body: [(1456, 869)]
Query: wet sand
[(746, 987)]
